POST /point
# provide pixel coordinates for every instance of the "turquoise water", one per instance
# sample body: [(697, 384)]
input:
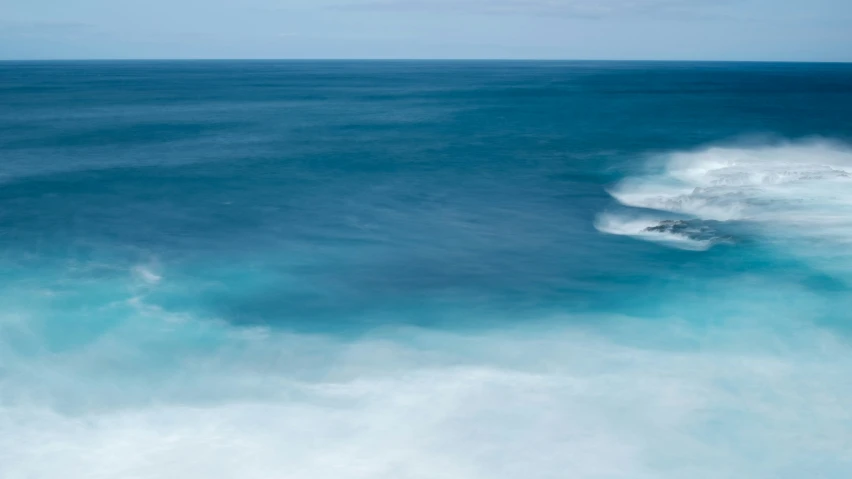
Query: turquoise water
[(425, 269)]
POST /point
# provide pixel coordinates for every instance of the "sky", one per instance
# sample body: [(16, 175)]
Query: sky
[(762, 30)]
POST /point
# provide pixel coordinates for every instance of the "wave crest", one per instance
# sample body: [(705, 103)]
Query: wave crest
[(806, 186)]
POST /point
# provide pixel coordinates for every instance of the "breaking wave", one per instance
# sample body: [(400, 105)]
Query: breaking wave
[(801, 190)]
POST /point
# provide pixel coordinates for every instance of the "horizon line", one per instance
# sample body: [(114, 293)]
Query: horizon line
[(333, 59)]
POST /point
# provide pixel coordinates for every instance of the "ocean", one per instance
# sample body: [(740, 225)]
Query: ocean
[(345, 269)]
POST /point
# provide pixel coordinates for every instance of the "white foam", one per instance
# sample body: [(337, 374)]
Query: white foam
[(759, 183), (419, 404), (146, 274), (800, 189)]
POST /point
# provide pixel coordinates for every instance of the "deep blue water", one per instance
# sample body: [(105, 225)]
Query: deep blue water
[(264, 265)]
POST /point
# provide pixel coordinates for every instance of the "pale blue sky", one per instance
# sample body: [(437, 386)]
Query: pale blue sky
[(818, 30)]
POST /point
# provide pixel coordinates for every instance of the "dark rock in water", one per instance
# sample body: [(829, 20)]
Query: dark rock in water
[(693, 229), (669, 226)]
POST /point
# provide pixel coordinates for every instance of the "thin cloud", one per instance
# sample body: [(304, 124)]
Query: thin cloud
[(560, 8), (52, 29)]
